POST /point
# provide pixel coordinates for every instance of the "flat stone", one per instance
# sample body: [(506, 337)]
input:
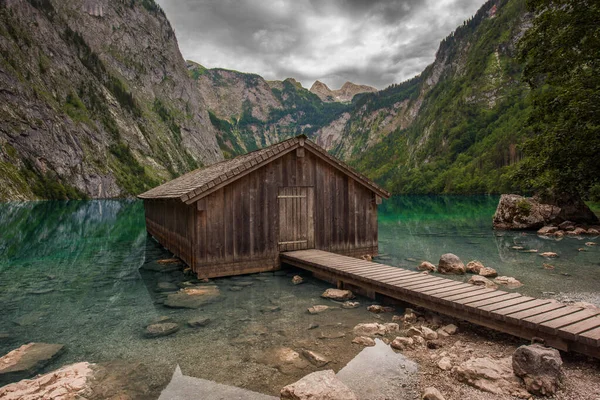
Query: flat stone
[(159, 330), (27, 360), (317, 309), (338, 294), (198, 322), (320, 385)]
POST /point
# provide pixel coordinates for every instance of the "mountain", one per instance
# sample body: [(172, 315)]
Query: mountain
[(95, 100), (250, 112), (345, 94), (456, 127)]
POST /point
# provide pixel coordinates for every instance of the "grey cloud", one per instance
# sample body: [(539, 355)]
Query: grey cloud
[(374, 42)]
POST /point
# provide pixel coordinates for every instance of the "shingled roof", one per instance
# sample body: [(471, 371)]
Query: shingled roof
[(201, 182)]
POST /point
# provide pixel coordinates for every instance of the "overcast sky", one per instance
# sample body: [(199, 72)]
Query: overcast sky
[(373, 42)]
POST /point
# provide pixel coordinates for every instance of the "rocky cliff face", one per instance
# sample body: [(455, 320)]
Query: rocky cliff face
[(250, 112), (455, 127), (95, 100), (345, 94)]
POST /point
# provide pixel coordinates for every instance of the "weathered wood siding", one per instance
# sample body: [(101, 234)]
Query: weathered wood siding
[(237, 226), (172, 223)]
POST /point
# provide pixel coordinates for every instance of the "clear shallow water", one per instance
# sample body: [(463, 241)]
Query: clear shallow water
[(70, 273)]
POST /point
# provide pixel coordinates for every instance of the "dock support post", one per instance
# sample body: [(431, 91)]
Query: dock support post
[(340, 284)]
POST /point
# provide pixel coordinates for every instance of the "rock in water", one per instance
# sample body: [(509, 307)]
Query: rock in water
[(321, 385), (451, 264), (474, 266), (25, 361), (488, 272), (198, 322), (68, 382), (540, 368), (508, 281), (518, 212), (315, 358), (317, 309), (426, 266), (350, 304), (370, 329), (297, 279), (337, 294), (159, 330), (547, 230), (432, 393), (193, 297)]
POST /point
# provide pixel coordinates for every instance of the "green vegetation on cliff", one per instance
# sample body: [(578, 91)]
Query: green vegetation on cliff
[(465, 136)]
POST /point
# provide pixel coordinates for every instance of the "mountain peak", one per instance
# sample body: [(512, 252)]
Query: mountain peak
[(344, 94)]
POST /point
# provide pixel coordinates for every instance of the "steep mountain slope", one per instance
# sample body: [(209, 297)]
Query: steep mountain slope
[(344, 94), (454, 128), (95, 100), (251, 113)]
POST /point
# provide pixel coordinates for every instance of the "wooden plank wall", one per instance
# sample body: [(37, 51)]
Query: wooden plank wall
[(238, 229), (172, 224)]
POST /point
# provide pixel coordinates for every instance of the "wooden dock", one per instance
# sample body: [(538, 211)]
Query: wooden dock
[(564, 327)]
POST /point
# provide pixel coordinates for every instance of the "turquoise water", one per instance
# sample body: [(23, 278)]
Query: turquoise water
[(70, 273)]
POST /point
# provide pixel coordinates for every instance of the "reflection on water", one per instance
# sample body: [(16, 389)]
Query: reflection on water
[(423, 228), (70, 273)]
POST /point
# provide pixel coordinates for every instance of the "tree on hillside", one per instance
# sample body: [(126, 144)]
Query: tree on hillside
[(561, 54)]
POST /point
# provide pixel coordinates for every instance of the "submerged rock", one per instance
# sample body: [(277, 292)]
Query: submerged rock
[(540, 368), (321, 385), (315, 358), (193, 297), (27, 360), (198, 322), (166, 287), (159, 320), (338, 294), (297, 279), (549, 254), (317, 309), (547, 230), (159, 330), (372, 329), (451, 264), (377, 309)]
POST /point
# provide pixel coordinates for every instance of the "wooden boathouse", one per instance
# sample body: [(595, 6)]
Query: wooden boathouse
[(237, 216)]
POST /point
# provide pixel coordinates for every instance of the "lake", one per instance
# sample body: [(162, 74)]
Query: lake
[(70, 274)]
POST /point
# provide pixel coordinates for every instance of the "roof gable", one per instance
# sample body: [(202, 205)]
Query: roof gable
[(201, 182)]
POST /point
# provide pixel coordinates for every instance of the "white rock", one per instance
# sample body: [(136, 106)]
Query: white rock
[(320, 385), (338, 294), (444, 364)]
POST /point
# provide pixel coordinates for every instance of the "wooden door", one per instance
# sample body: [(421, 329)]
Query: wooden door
[(296, 218)]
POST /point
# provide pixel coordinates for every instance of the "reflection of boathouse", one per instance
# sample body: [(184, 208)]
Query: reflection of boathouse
[(236, 216)]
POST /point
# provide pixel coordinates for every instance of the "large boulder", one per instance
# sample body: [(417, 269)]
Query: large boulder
[(27, 360), (539, 367), (451, 264), (321, 385), (529, 213), (491, 375)]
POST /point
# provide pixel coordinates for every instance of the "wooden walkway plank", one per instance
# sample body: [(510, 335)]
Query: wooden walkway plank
[(565, 327)]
